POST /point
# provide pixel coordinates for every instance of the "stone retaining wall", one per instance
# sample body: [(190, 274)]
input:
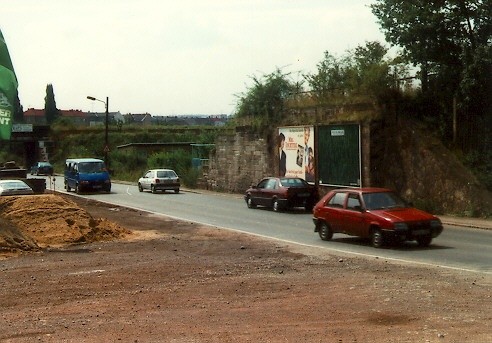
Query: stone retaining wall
[(238, 161)]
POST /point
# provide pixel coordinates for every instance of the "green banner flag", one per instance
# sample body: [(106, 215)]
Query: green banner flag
[(8, 91)]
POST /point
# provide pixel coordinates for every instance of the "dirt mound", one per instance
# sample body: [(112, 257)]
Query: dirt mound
[(48, 220)]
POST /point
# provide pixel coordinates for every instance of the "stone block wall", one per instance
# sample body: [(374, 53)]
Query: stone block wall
[(239, 160), (244, 158)]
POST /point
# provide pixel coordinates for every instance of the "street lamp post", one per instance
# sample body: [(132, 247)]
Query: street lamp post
[(106, 143)]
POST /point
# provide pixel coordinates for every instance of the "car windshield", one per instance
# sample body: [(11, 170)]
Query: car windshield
[(382, 200), (166, 173), (288, 182), (91, 167)]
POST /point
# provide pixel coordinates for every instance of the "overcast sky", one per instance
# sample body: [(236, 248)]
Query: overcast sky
[(171, 57)]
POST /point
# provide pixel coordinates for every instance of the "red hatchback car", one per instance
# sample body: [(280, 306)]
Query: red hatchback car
[(375, 213), (282, 193)]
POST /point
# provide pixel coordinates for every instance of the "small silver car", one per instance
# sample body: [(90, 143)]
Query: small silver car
[(14, 187), (159, 180)]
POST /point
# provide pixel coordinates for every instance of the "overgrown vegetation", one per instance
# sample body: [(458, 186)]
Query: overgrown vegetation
[(448, 42), (263, 103), (128, 164)]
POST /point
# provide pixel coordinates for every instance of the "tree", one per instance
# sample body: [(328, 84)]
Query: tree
[(450, 40), (332, 77), (371, 69), (265, 99), (50, 110), (366, 70)]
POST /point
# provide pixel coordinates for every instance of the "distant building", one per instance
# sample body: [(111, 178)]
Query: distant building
[(139, 119), (34, 116), (37, 116), (190, 119), (78, 117), (99, 118)]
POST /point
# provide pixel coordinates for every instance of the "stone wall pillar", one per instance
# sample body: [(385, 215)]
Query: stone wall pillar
[(239, 160)]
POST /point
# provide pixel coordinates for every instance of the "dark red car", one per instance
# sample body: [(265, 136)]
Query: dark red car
[(376, 213), (282, 193)]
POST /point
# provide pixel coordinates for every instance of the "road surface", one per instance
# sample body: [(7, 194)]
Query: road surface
[(457, 248)]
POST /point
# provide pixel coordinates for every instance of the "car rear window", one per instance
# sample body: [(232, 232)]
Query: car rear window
[(292, 182), (166, 173)]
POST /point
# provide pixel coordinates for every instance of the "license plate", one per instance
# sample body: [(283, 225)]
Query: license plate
[(420, 232)]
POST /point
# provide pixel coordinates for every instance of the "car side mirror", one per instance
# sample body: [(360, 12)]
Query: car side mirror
[(253, 186)]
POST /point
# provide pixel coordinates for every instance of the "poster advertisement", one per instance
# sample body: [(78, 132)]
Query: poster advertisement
[(296, 152)]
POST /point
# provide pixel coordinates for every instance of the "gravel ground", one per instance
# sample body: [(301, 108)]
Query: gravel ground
[(74, 270)]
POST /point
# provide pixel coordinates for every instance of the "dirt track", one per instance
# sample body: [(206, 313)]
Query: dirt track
[(143, 278)]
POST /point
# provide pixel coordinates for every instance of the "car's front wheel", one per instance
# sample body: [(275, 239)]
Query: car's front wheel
[(250, 202), (424, 241), (67, 187), (377, 238), (325, 232)]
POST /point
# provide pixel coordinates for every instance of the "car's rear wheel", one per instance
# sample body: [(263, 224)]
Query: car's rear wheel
[(325, 232), (250, 202), (377, 238), (424, 241), (176, 191), (77, 189), (276, 205), (152, 189), (140, 188)]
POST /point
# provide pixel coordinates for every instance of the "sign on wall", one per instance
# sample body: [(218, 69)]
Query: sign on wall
[(296, 152), (339, 157)]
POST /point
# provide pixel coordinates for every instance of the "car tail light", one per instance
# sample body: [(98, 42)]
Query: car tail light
[(157, 181)]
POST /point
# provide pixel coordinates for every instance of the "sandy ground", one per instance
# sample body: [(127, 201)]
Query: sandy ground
[(73, 270)]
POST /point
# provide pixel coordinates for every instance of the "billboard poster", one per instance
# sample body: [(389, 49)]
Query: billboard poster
[(8, 91), (296, 152)]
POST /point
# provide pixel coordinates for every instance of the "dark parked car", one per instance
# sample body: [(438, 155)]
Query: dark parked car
[(42, 168), (375, 213), (282, 193)]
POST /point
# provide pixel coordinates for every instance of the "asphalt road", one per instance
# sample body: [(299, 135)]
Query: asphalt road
[(457, 248)]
